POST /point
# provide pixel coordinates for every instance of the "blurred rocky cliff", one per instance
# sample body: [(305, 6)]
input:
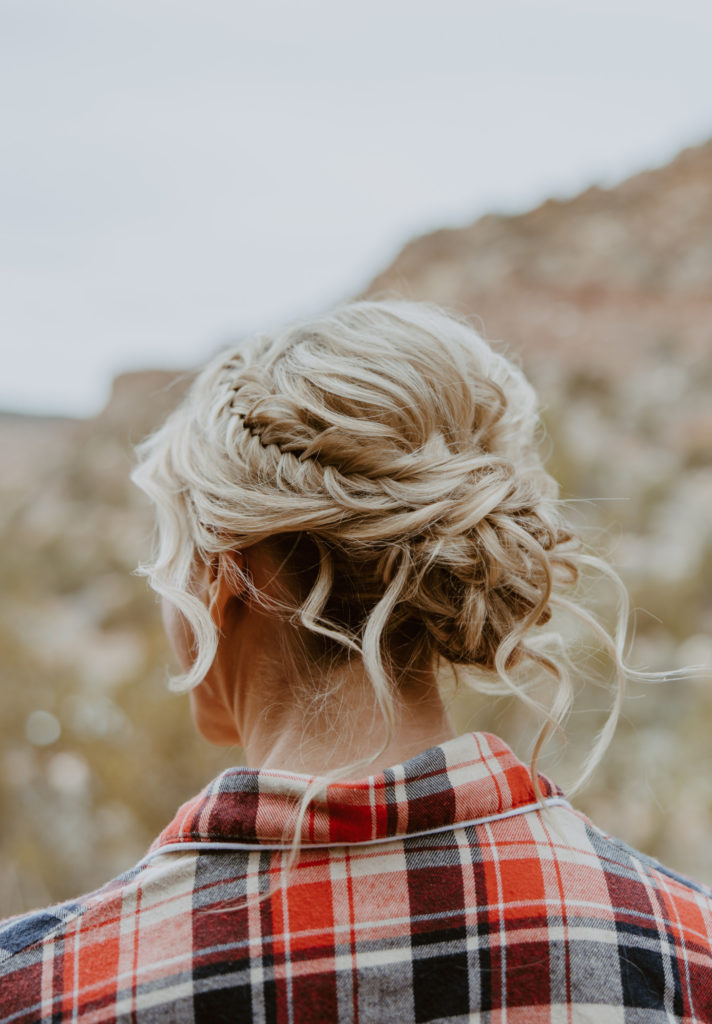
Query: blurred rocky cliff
[(607, 300)]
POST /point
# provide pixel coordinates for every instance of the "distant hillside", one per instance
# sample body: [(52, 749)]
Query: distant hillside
[(598, 281), (607, 300)]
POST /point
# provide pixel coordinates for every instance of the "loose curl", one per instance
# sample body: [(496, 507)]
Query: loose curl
[(391, 456)]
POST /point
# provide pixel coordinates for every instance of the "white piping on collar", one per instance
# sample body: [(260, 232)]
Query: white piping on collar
[(256, 847)]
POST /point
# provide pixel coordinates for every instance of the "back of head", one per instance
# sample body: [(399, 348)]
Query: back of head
[(388, 454)]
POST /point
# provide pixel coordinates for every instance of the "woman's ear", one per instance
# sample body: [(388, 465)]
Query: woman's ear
[(228, 580)]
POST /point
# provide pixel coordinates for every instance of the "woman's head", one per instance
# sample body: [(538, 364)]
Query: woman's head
[(386, 457)]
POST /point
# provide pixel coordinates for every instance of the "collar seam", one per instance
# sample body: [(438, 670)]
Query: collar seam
[(257, 846)]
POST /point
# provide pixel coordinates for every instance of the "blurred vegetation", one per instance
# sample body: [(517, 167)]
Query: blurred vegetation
[(97, 753), (607, 299)]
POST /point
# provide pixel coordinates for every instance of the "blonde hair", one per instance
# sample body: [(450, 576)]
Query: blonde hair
[(392, 456)]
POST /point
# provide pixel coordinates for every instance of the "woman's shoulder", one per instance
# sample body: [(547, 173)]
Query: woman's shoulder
[(23, 932), (642, 892)]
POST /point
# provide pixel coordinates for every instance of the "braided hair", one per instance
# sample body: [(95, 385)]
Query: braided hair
[(390, 455)]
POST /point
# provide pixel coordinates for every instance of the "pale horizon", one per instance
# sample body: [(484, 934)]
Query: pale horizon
[(180, 174)]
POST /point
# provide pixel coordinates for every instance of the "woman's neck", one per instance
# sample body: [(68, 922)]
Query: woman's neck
[(256, 695), (350, 728)]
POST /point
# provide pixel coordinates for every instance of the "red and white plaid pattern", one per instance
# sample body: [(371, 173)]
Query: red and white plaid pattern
[(438, 890)]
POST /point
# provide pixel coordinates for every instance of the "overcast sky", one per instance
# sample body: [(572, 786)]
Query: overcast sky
[(176, 173)]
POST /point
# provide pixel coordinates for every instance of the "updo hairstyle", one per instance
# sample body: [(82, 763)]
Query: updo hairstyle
[(388, 457)]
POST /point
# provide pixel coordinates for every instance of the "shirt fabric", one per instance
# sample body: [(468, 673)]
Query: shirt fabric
[(438, 890)]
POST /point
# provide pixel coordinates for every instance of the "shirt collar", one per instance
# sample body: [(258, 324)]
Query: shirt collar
[(474, 776)]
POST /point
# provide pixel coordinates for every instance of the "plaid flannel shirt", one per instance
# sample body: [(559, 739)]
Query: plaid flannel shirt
[(438, 890)]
